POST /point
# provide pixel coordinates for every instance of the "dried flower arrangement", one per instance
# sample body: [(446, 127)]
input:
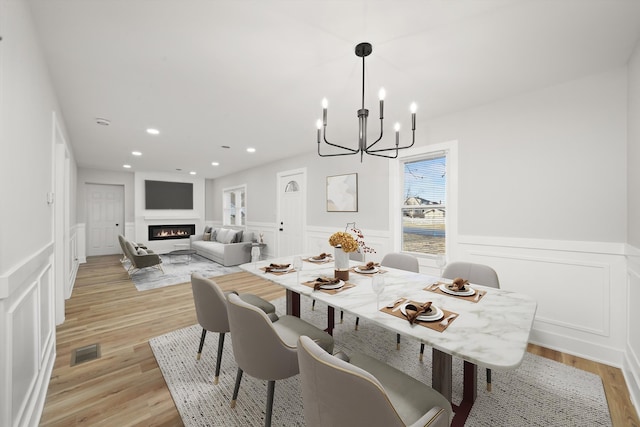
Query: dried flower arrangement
[(344, 240)]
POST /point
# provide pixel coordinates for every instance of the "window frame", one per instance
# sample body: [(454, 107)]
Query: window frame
[(396, 191), (227, 210)]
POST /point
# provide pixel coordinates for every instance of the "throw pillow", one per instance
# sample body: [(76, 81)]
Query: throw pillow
[(238, 238), (206, 237), (230, 237), (142, 251), (247, 236), (221, 235), (214, 232)]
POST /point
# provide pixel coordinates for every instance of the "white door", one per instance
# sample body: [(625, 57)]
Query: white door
[(105, 213), (291, 212)]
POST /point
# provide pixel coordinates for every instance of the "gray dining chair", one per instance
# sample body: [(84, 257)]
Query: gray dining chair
[(266, 350), (211, 310), (358, 390), (401, 262), (479, 274)]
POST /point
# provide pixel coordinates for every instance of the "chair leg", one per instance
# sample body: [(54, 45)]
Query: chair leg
[(397, 341), (202, 337), (341, 316), (236, 388), (313, 305), (421, 351), (219, 358), (357, 322), (488, 379), (271, 386)]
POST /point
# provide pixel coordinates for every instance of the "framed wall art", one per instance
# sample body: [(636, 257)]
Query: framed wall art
[(342, 193)]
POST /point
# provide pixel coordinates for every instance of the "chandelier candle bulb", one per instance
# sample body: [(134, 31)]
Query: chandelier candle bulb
[(413, 109), (325, 104)]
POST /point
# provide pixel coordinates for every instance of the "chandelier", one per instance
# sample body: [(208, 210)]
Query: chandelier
[(363, 50)]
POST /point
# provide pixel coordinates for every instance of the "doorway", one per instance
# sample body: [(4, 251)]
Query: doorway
[(105, 218), (292, 215)]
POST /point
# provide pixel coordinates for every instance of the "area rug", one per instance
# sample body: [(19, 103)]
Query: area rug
[(541, 392), (176, 270)]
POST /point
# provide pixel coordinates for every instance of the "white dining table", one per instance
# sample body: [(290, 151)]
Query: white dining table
[(492, 332)]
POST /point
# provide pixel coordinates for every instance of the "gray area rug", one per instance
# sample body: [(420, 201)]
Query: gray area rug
[(176, 270), (541, 392)]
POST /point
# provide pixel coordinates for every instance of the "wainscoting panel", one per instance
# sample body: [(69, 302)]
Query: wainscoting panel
[(631, 366), (27, 337), (269, 236), (580, 291)]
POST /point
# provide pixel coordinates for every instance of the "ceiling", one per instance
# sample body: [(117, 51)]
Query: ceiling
[(242, 73)]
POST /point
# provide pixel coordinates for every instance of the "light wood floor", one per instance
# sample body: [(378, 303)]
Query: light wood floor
[(125, 386)]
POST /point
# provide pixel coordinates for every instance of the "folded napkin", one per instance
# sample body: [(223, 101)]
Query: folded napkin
[(323, 281), (273, 266), (459, 284), (369, 266), (323, 255), (413, 312)]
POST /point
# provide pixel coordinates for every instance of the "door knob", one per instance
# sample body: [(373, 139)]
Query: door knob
[(117, 225)]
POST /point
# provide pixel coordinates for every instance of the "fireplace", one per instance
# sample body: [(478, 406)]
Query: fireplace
[(175, 231)]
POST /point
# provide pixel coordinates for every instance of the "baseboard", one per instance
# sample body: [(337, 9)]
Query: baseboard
[(580, 348), (631, 371)]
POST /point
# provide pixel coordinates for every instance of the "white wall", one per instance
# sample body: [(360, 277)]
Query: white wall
[(27, 284), (632, 361)]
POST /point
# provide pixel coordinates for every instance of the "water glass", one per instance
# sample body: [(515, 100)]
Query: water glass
[(377, 285)]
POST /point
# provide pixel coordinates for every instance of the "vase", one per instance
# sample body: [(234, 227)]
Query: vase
[(341, 264)]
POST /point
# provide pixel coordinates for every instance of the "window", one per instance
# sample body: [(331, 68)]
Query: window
[(233, 205), (424, 206)]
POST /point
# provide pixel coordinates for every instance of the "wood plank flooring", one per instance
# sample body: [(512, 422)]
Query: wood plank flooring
[(125, 386)]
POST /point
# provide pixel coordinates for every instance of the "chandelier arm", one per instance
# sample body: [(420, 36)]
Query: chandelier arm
[(379, 138), (413, 141), (324, 137)]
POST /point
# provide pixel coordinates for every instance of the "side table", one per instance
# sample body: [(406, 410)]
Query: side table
[(256, 251)]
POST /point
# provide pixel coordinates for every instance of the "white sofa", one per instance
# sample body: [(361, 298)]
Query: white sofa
[(222, 247)]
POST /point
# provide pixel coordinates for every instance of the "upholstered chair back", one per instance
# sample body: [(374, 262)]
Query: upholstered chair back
[(258, 349), (479, 274), (211, 304), (401, 262)]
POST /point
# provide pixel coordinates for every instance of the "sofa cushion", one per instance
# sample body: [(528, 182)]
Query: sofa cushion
[(238, 236), (231, 236), (247, 236), (142, 251)]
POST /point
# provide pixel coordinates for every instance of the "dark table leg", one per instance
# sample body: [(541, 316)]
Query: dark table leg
[(331, 320), (441, 381), (293, 303)]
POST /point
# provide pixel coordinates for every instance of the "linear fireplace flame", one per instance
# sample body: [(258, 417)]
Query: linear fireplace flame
[(175, 231)]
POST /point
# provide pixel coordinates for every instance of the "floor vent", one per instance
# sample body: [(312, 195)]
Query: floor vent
[(85, 354)]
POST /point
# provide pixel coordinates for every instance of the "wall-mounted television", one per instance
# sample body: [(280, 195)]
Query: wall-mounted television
[(168, 195)]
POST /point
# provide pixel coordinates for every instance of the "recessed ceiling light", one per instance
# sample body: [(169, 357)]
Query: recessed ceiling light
[(136, 153), (251, 150), (126, 166), (215, 164), (152, 131), (102, 122), (192, 173)]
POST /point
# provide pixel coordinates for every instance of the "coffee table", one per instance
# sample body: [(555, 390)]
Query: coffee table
[(181, 252)]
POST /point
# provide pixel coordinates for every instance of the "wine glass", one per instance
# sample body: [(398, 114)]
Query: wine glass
[(297, 265), (441, 261), (377, 285)]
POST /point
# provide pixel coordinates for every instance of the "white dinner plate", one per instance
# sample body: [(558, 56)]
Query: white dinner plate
[(432, 315), (312, 259), (281, 270), (373, 270), (333, 286), (470, 291)]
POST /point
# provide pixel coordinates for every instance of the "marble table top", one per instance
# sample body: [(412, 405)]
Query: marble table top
[(492, 333)]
